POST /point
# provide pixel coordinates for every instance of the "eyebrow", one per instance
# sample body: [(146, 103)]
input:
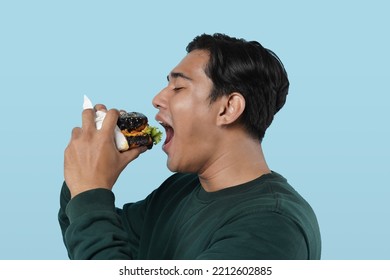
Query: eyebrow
[(178, 75)]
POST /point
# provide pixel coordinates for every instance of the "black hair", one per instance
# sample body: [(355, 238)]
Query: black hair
[(237, 65)]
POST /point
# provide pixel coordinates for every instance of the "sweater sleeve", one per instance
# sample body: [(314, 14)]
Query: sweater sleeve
[(92, 227), (266, 236)]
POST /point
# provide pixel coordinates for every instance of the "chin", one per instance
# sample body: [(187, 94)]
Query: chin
[(170, 165), (174, 166)]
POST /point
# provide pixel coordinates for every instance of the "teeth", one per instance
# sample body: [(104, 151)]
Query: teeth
[(163, 124)]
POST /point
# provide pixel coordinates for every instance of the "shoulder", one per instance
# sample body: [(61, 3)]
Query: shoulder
[(273, 205), (295, 209), (272, 193), (276, 194)]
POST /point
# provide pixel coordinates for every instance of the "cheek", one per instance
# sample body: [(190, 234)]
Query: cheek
[(193, 119), (193, 142), (194, 136)]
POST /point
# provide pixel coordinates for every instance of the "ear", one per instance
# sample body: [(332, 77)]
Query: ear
[(231, 108)]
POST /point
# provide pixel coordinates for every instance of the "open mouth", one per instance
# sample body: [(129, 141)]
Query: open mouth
[(168, 132)]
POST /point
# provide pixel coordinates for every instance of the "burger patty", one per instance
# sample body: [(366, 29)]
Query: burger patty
[(137, 141)]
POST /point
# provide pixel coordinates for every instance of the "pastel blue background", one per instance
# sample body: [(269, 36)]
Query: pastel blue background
[(330, 141)]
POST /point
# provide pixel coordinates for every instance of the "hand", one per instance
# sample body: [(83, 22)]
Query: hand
[(91, 159)]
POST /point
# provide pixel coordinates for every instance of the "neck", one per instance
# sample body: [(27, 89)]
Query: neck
[(234, 165)]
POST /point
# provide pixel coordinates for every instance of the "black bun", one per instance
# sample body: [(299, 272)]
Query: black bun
[(132, 121)]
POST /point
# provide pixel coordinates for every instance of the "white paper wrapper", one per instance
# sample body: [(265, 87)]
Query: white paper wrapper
[(120, 139)]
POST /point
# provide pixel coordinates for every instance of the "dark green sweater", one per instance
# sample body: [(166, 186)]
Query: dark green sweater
[(262, 219)]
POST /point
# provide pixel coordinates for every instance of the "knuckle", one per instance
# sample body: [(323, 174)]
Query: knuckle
[(113, 112), (100, 107)]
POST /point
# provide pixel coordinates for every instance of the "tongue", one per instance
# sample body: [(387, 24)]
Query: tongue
[(169, 134)]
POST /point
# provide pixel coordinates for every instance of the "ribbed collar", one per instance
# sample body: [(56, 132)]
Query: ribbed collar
[(203, 195)]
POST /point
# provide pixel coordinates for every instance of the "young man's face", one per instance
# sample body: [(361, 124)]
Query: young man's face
[(185, 111)]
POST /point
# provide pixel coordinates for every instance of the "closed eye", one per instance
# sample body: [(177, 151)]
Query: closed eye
[(177, 88)]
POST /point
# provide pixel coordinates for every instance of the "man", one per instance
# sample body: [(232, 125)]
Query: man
[(223, 202)]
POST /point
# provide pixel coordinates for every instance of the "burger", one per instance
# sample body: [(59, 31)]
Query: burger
[(135, 128), (132, 129)]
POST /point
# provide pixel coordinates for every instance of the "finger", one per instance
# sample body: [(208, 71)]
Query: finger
[(110, 120), (76, 132), (100, 107), (88, 120)]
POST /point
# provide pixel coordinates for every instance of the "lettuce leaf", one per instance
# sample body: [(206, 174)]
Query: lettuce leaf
[(154, 132)]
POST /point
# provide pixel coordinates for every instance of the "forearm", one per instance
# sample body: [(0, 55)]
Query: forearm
[(62, 217), (91, 226)]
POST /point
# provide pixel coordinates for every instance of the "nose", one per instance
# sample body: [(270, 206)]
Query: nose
[(159, 101)]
